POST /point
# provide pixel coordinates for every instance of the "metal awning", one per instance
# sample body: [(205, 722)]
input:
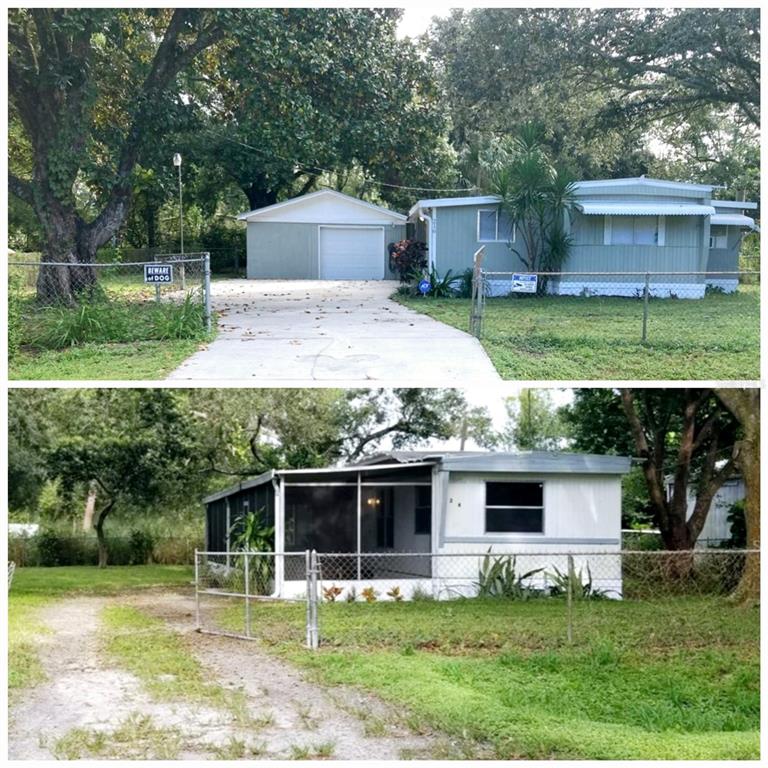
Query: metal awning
[(631, 208), (733, 220)]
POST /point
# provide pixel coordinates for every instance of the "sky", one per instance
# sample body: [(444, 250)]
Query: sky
[(494, 400), (416, 19)]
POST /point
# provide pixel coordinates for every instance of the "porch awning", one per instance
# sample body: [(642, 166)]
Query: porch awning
[(630, 208), (733, 220)]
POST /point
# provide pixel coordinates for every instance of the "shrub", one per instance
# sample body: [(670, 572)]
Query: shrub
[(408, 257), (140, 546), (581, 588), (369, 595), (14, 315), (48, 548), (738, 525)]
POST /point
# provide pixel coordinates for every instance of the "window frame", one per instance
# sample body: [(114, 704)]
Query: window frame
[(496, 239), (543, 507)]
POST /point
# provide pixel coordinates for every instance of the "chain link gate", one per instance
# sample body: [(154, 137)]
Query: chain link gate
[(237, 594)]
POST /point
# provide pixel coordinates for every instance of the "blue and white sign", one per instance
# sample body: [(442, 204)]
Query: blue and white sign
[(524, 283), (424, 287), (158, 273)]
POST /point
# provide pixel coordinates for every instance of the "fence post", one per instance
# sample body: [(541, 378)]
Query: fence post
[(197, 591), (569, 600), (308, 577), (646, 292), (315, 628), (157, 285), (247, 596), (207, 290), (476, 302)]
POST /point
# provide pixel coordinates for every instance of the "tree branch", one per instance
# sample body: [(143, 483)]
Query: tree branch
[(20, 188)]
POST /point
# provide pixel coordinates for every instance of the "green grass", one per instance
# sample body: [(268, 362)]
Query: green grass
[(566, 338), (156, 655), (86, 579), (140, 360), (34, 588), (662, 679)]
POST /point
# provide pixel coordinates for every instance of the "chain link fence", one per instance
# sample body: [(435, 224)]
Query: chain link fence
[(603, 294), (62, 304), (302, 597)]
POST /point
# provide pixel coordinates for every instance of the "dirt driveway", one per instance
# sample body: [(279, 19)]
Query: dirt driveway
[(297, 332), (87, 697)]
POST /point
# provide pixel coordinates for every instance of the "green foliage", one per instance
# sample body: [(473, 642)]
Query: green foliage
[(249, 534), (141, 545), (15, 315), (579, 584), (114, 321), (533, 423), (498, 577), (441, 287), (48, 548), (738, 525), (408, 258)]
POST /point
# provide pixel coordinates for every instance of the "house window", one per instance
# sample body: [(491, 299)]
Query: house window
[(422, 512), (718, 237), (634, 230), (514, 508), (494, 226)]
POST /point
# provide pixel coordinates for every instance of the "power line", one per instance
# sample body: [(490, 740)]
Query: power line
[(313, 168)]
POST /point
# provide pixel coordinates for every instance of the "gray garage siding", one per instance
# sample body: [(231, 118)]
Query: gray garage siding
[(289, 251)]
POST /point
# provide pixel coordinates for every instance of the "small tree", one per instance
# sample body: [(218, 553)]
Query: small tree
[(536, 195)]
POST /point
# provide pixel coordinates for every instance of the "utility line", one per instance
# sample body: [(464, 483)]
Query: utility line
[(311, 168)]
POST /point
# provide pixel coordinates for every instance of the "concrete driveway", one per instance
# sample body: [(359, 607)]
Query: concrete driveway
[(298, 332)]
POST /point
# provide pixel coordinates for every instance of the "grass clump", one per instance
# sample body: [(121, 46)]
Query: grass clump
[(135, 738)]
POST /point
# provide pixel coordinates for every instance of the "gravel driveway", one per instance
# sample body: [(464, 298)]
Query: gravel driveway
[(296, 332)]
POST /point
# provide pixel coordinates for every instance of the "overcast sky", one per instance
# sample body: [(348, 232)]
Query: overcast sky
[(416, 20), (493, 399)]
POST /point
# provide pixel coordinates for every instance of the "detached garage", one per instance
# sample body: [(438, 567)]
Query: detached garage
[(324, 235)]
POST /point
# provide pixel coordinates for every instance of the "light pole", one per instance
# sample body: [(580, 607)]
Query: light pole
[(177, 163)]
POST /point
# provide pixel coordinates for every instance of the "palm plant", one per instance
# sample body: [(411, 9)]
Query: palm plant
[(250, 535), (536, 195)]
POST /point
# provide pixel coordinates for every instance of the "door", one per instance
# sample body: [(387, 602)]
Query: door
[(351, 253)]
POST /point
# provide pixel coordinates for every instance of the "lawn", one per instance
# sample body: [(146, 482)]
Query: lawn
[(569, 338), (663, 679), (139, 360), (34, 588)]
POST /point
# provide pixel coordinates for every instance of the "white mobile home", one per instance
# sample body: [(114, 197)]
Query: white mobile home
[(422, 519)]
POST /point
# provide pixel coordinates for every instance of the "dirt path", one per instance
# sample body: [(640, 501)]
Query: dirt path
[(289, 715)]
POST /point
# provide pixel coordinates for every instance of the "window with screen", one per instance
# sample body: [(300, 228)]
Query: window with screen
[(514, 507), (422, 512), (494, 226)]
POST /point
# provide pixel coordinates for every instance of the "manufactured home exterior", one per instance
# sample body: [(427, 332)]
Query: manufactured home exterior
[(617, 226), (323, 235), (424, 518)]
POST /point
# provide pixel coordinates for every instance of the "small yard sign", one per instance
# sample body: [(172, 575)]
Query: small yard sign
[(158, 273), (524, 283), (424, 287)]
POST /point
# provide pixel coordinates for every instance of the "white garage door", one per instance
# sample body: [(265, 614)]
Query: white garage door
[(351, 253)]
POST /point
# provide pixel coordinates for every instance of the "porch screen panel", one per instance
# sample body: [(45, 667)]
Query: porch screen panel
[(321, 517)]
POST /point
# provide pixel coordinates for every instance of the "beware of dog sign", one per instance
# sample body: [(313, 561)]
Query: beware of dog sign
[(158, 273)]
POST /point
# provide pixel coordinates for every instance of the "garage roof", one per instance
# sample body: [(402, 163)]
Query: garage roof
[(325, 206)]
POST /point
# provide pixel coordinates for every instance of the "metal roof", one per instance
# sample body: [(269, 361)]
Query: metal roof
[(446, 202), (733, 220), (258, 213), (743, 205), (632, 208), (642, 181)]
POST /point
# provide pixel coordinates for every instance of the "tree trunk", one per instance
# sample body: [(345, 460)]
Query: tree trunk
[(259, 196), (100, 536), (90, 507), (744, 404)]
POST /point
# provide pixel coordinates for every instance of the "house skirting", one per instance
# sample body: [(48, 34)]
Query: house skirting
[(633, 289)]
